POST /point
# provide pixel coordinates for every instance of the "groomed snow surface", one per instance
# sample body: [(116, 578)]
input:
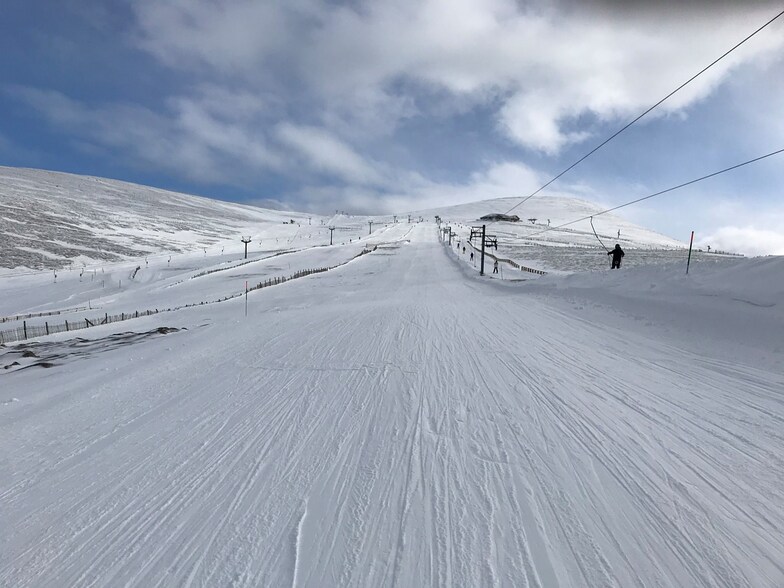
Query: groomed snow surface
[(399, 421)]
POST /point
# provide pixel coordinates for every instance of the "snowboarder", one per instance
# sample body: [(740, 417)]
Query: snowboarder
[(617, 254), (495, 267)]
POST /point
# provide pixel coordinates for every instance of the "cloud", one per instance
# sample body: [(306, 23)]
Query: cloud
[(749, 240), (414, 192), (745, 226), (228, 36), (368, 105), (322, 151), (190, 139), (542, 64)]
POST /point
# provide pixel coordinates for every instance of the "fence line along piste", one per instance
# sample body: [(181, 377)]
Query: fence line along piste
[(32, 331)]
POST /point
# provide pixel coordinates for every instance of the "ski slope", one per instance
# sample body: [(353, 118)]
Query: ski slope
[(58, 221), (399, 421), (65, 222)]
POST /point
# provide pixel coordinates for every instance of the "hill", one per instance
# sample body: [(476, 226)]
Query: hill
[(53, 220), (50, 220)]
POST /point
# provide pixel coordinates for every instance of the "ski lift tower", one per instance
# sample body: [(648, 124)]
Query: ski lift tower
[(246, 240)]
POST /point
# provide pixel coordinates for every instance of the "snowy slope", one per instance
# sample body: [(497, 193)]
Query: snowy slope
[(52, 220), (400, 421), (558, 210)]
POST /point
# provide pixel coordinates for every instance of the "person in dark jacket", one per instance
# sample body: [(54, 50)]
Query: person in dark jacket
[(617, 254)]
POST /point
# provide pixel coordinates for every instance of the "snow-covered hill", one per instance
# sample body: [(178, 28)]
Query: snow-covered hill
[(52, 220), (541, 214)]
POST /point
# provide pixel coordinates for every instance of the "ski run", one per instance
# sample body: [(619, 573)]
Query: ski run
[(400, 421)]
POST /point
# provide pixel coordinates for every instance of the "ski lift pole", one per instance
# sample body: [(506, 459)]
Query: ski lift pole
[(688, 261), (482, 264)]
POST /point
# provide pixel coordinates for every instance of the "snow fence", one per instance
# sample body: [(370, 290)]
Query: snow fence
[(32, 331), (509, 261)]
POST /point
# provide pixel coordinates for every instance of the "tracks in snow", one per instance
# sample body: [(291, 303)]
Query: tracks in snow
[(401, 432)]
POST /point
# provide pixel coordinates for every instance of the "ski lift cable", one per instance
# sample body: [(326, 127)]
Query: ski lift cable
[(597, 236), (627, 125), (659, 193)]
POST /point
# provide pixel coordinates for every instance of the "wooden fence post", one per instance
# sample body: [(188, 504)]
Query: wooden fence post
[(24, 323), (47, 327)]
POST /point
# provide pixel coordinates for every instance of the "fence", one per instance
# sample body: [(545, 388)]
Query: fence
[(19, 317), (31, 331), (509, 261)]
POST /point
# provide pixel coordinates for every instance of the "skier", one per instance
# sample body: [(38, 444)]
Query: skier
[(617, 254), (472, 256), (463, 250), (495, 267)]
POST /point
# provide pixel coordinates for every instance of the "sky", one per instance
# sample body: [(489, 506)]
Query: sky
[(375, 107)]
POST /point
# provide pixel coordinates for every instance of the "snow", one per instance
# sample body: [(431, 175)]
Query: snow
[(397, 420)]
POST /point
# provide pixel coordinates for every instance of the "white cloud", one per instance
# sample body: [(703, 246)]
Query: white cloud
[(749, 240), (228, 36), (338, 92), (326, 153), (190, 139), (414, 192), (744, 226), (542, 63)]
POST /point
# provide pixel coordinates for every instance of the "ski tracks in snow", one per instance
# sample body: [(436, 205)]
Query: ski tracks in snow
[(412, 428)]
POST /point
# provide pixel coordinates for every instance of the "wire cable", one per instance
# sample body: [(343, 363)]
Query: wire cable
[(659, 193), (597, 236), (622, 129)]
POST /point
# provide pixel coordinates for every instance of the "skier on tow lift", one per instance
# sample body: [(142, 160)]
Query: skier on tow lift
[(617, 254)]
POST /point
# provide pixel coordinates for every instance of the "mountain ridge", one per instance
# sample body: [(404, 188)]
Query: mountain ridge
[(51, 220)]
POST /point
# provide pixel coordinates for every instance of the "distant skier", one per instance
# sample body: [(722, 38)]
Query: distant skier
[(617, 254), (619, 233), (463, 250), (472, 256), (495, 267)]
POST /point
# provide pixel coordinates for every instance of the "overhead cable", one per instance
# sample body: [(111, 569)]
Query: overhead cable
[(659, 193), (622, 129)]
